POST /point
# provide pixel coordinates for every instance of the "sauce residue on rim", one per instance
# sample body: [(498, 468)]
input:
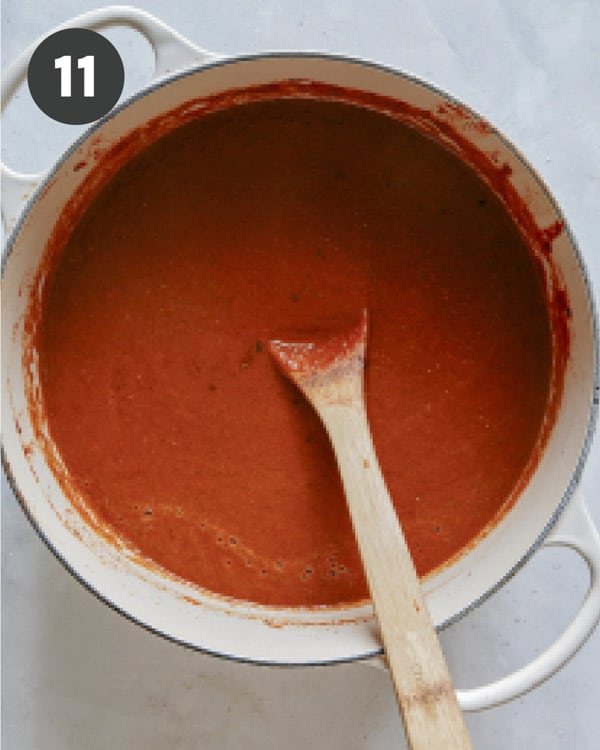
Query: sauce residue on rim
[(277, 214)]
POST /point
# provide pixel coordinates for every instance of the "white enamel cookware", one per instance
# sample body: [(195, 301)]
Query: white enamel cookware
[(548, 512)]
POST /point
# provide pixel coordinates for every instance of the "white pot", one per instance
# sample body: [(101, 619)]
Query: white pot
[(546, 513)]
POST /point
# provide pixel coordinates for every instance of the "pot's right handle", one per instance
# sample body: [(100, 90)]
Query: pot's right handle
[(576, 530), (171, 52)]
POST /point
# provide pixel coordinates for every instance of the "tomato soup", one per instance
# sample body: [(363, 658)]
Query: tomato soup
[(249, 223)]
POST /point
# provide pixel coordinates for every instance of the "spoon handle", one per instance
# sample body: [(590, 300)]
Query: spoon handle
[(432, 717)]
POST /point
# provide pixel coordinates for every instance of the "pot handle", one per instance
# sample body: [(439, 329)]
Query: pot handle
[(575, 529), (171, 52)]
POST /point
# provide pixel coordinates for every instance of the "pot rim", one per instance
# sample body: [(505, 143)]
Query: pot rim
[(327, 58)]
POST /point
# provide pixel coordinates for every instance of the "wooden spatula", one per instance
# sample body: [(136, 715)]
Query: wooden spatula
[(330, 374)]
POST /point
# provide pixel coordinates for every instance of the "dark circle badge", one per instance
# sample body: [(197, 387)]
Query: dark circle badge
[(75, 76)]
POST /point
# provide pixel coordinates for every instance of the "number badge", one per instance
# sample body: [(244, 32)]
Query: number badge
[(75, 76)]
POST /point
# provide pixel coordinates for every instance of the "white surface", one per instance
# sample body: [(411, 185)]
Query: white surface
[(75, 674)]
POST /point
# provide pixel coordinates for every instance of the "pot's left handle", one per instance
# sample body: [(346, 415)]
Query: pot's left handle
[(171, 52)]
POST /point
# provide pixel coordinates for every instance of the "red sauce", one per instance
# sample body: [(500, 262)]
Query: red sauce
[(242, 225)]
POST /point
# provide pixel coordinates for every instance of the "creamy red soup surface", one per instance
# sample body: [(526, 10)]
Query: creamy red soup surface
[(254, 222)]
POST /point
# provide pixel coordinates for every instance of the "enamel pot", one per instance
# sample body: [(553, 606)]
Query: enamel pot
[(548, 510)]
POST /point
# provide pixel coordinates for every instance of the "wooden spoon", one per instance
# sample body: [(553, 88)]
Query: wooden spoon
[(330, 374)]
